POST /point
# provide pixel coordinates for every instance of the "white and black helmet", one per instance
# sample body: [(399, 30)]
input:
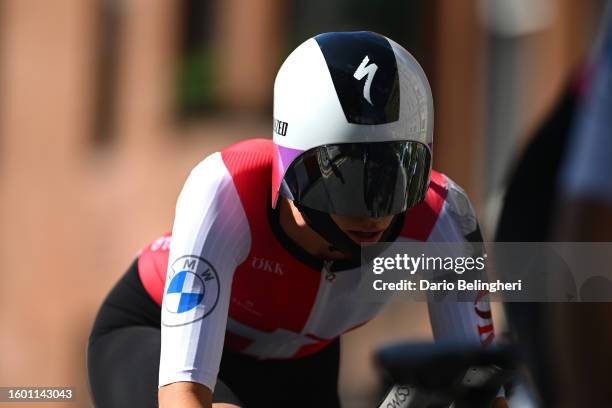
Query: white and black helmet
[(353, 128)]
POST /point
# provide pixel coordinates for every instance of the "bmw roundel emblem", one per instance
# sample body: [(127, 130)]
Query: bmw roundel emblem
[(192, 291), (186, 291)]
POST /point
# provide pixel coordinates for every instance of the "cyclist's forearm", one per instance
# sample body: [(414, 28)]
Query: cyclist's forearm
[(185, 394)]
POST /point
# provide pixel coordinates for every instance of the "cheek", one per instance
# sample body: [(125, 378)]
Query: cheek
[(388, 220)]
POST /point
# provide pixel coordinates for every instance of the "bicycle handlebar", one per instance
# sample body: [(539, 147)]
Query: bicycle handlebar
[(447, 372)]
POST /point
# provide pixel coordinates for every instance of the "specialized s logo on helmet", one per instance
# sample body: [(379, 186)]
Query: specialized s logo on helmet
[(362, 70)]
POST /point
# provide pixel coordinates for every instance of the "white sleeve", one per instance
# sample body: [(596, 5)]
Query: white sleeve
[(450, 319), (210, 237)]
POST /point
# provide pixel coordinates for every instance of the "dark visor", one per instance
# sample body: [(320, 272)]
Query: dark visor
[(360, 179)]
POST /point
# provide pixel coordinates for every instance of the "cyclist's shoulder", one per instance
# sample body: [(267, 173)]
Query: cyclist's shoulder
[(446, 207), (248, 156), (235, 174), (457, 199), (244, 166), (458, 209), (249, 166), (251, 145), (238, 159)]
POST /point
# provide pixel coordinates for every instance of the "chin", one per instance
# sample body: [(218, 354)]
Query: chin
[(366, 238)]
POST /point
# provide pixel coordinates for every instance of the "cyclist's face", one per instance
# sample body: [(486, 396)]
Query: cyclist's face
[(363, 229)]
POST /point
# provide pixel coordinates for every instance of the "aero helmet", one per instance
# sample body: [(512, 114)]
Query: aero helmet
[(353, 130)]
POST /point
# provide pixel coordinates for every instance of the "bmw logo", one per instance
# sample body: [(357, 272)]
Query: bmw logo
[(192, 292)]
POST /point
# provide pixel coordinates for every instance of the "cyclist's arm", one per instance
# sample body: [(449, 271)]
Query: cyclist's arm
[(210, 237), (185, 394), (468, 320), (188, 395)]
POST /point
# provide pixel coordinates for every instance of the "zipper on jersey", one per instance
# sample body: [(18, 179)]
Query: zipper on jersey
[(318, 311), (322, 297), (330, 276)]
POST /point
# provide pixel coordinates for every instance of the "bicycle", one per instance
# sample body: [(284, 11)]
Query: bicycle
[(444, 374)]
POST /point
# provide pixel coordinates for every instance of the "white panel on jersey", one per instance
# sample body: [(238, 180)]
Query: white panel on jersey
[(280, 343), (451, 319), (337, 309), (210, 237), (460, 210)]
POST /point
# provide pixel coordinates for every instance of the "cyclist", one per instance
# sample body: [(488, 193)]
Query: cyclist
[(256, 283)]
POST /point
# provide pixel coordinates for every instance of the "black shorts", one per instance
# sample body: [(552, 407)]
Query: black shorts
[(123, 361)]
